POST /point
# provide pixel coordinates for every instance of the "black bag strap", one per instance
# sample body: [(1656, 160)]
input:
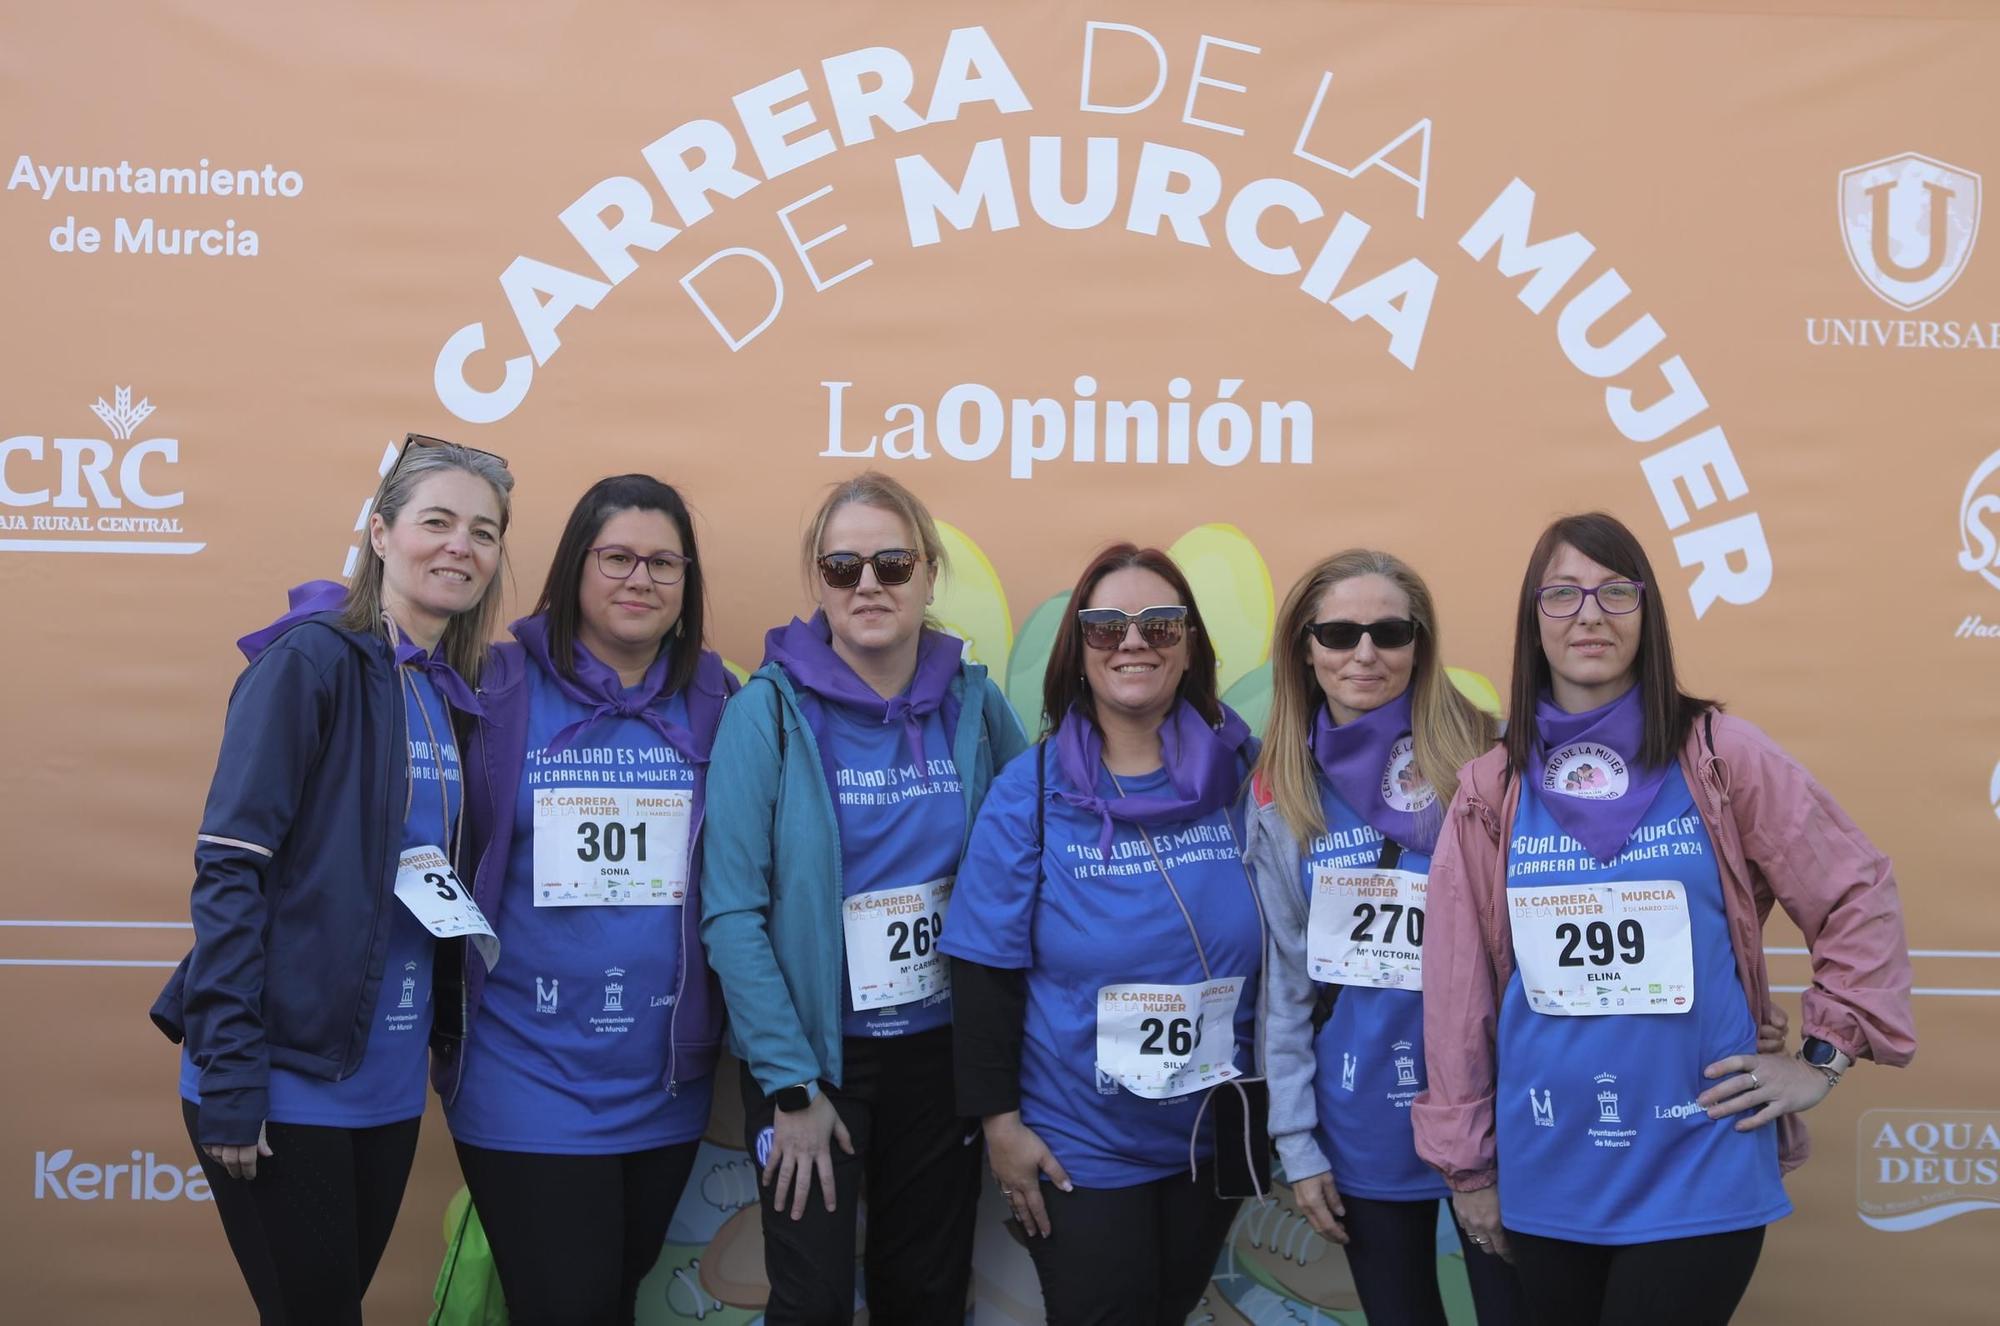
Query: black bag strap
[(1041, 807), (1323, 1000)]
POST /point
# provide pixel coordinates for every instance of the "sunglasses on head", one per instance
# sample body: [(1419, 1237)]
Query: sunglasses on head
[(1389, 633), (1160, 628), (893, 566), (421, 440)]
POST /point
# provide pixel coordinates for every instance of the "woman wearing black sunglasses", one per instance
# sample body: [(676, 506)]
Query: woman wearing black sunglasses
[(1366, 737), (1106, 943), (845, 777), (578, 1086)]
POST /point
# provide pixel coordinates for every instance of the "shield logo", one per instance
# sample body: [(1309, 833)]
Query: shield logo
[(1909, 222)]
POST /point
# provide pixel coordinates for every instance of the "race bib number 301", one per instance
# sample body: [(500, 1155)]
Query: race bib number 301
[(432, 890), (1160, 1041), (1366, 927), (892, 953), (1599, 950), (611, 846)]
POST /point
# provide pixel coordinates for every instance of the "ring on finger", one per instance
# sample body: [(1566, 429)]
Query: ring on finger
[(1754, 1083)]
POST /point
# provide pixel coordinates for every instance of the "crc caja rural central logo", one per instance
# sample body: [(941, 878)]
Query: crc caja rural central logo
[(92, 494), (1909, 222)]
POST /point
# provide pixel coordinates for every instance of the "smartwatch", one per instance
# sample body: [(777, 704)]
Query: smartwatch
[(793, 1099), (1826, 1057)]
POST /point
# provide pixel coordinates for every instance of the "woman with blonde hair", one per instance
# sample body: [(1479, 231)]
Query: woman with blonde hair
[(845, 777), (1365, 740), (323, 881)]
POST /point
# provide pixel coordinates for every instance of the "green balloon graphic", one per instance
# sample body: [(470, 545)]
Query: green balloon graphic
[(1029, 659)]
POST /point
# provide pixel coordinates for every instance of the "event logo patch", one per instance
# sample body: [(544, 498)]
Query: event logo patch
[(1403, 787), (90, 495), (1586, 769), (1909, 223), (1919, 1167)]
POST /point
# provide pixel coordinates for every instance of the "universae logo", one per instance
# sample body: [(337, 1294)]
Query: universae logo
[(89, 487), (1909, 223)]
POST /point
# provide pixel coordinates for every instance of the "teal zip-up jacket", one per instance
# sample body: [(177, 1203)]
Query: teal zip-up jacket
[(770, 873)]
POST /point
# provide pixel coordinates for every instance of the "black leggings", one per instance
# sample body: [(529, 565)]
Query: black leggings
[(1392, 1254), (573, 1236), (309, 1230), (1136, 1256), (1674, 1282)]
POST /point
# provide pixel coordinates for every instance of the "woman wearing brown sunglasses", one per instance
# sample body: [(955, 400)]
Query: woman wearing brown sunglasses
[(1106, 941), (844, 778)]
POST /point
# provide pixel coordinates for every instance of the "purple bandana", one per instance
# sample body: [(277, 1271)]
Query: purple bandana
[(1371, 765), (805, 651), (1203, 766), (596, 686), (1586, 768), (431, 663)]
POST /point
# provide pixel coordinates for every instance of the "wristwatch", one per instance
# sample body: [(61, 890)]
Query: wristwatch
[(793, 1099), (1826, 1057)]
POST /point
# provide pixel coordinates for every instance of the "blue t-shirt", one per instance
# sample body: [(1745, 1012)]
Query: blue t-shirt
[(899, 826), (1371, 1051), (570, 1050), (389, 1085), (1600, 1140), (1077, 922)]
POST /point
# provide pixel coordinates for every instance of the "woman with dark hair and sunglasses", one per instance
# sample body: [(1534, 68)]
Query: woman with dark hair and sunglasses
[(845, 778), (1594, 962), (1106, 942), (1360, 758), (577, 1085), (323, 881)]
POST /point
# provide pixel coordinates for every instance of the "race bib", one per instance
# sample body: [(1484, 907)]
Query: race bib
[(430, 888), (1366, 927), (1597, 950), (611, 846), (1161, 1041), (892, 953)]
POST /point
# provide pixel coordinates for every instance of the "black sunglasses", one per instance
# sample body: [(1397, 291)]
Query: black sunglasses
[(1389, 633), (423, 440), (1160, 627), (893, 566)]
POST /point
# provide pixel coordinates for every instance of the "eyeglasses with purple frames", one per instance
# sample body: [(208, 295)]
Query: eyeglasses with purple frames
[(1615, 597)]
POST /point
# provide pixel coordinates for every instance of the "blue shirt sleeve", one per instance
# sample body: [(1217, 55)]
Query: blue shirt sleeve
[(993, 902)]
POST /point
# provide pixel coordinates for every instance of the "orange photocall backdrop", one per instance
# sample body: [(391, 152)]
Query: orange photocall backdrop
[(1254, 281)]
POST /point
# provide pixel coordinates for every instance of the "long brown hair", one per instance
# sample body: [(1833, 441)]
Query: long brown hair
[(1670, 712), (466, 635), (1446, 728), (1063, 685)]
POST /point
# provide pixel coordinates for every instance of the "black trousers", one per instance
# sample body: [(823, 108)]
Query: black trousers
[(309, 1230), (1674, 1282), (1392, 1254), (573, 1236), (919, 1162), (1135, 1256)]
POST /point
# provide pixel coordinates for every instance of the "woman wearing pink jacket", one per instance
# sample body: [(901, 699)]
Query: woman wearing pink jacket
[(1594, 963)]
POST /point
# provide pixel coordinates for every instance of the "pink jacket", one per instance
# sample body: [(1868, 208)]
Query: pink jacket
[(1778, 838)]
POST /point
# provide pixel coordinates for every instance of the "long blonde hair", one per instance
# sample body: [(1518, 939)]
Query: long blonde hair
[(1446, 728), (466, 635)]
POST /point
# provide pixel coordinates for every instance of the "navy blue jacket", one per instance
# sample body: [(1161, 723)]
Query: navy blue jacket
[(295, 866)]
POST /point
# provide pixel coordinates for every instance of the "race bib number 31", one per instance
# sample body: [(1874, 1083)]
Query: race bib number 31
[(1599, 950), (611, 846), (1160, 1041), (892, 953), (431, 889), (1366, 927)]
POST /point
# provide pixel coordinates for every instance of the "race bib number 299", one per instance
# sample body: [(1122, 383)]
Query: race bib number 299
[(1601, 950)]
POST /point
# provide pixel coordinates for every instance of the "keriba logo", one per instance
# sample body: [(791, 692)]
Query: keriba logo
[(144, 1178)]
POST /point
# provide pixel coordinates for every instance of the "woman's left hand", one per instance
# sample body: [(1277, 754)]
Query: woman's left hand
[(1771, 1084)]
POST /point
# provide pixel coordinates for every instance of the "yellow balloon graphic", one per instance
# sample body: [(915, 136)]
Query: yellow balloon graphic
[(970, 601), (1475, 687), (1233, 587), (736, 670)]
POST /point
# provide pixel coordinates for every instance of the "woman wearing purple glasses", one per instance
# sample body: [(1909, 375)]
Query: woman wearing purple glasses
[(1106, 942), (846, 775), (1594, 963), (575, 1073)]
